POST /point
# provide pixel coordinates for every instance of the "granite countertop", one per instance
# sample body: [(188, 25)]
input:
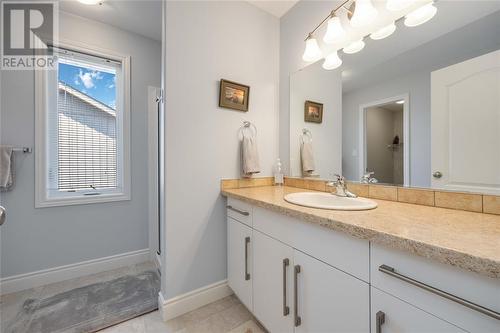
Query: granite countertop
[(463, 239)]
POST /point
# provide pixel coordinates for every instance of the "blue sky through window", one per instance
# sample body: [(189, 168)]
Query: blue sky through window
[(100, 85)]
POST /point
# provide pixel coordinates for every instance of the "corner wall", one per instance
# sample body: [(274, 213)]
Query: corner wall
[(38, 239), (239, 42)]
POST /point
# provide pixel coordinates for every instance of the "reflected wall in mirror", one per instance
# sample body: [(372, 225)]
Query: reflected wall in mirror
[(315, 148), (446, 131)]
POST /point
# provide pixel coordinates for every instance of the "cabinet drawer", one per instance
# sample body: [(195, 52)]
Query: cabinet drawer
[(468, 286), (339, 250), (240, 211), (391, 315)]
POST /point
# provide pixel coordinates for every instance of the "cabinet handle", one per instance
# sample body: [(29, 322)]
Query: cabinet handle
[(392, 272), (297, 318), (286, 309), (247, 275), (380, 320), (237, 210)]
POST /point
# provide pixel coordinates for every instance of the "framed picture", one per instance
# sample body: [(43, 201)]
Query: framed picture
[(233, 95), (313, 112)]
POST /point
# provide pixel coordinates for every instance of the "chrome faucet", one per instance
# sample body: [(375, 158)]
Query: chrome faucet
[(341, 187), (368, 179)]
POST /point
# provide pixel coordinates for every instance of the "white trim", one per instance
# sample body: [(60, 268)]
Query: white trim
[(152, 106), (19, 282), (192, 300), (406, 134), (42, 198)]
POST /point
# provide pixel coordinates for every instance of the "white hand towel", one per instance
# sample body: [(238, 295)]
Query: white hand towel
[(250, 155), (6, 177), (307, 157)]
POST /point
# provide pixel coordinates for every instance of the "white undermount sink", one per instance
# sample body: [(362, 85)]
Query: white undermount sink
[(329, 201)]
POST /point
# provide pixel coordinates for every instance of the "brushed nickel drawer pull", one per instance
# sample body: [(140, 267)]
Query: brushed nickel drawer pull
[(286, 308), (247, 275), (392, 272), (380, 320), (297, 318), (237, 210)]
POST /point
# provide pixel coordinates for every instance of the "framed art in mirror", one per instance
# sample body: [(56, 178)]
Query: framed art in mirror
[(313, 112)]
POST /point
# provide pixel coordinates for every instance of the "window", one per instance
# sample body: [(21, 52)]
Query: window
[(82, 129)]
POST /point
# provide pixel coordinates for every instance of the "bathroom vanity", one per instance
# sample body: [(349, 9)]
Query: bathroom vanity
[(398, 268)]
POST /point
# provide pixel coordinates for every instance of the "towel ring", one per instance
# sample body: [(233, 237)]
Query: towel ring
[(305, 133), (247, 126)]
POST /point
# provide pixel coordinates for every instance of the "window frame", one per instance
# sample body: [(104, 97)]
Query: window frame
[(43, 196)]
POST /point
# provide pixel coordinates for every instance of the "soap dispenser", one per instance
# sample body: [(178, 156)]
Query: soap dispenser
[(278, 173)]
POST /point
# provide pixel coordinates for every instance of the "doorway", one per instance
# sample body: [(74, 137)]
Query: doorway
[(384, 140)]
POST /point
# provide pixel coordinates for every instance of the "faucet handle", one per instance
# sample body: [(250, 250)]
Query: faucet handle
[(339, 179)]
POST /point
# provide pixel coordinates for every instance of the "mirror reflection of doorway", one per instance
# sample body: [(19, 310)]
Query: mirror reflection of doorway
[(385, 141)]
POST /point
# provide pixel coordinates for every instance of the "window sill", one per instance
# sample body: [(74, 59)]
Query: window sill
[(81, 200)]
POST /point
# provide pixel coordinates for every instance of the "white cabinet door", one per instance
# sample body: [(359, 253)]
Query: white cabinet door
[(272, 283), (329, 300), (391, 315), (239, 260), (465, 125)]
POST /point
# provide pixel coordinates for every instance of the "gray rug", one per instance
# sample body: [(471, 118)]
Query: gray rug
[(90, 308)]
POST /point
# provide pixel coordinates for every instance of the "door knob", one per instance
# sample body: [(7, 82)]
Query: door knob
[(437, 174), (2, 215)]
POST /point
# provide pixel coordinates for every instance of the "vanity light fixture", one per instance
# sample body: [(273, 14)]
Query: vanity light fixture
[(383, 32), (354, 47), (91, 2), (332, 61), (312, 51), (401, 102), (364, 13), (360, 13), (397, 5), (334, 32), (420, 15)]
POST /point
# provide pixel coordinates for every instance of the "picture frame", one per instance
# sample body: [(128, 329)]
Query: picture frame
[(313, 112), (233, 95)]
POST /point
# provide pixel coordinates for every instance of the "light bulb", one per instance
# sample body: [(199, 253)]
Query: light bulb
[(364, 13), (90, 2), (332, 61), (334, 32), (383, 32), (312, 51), (397, 5), (420, 15), (354, 47)]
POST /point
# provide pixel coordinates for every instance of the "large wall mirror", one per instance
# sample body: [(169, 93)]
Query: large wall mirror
[(419, 108)]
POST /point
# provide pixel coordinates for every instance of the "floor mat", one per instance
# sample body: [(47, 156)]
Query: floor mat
[(90, 308)]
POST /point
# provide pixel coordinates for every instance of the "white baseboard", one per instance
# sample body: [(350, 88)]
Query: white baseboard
[(19, 282), (192, 300)]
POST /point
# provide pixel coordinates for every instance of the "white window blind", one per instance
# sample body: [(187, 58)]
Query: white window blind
[(84, 125)]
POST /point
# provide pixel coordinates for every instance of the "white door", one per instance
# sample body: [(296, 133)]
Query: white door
[(272, 283), (239, 260), (329, 300), (465, 125), (391, 315)]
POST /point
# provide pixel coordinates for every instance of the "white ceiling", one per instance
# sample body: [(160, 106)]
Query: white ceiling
[(276, 8), (143, 17)]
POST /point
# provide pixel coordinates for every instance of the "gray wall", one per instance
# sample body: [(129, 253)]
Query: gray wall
[(34, 239), (234, 41)]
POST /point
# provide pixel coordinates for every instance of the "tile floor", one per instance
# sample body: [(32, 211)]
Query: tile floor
[(225, 315)]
